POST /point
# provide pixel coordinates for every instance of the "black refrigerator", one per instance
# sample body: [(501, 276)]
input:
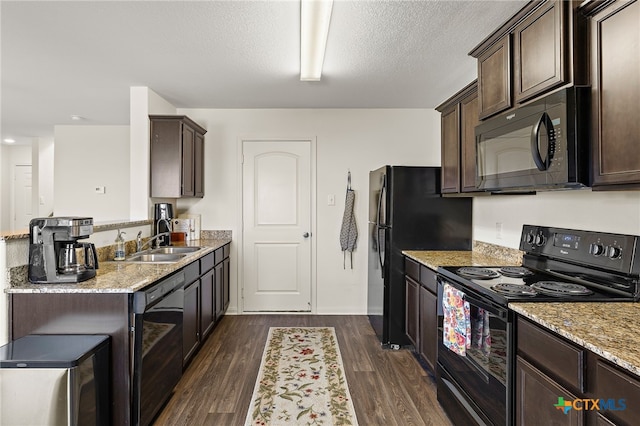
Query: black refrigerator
[(407, 212)]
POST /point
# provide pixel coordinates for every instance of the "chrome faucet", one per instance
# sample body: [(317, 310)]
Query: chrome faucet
[(140, 245)]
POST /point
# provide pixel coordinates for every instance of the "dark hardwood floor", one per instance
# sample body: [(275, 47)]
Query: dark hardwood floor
[(387, 387)]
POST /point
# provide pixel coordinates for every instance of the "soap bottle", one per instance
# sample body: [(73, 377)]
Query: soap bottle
[(120, 252)]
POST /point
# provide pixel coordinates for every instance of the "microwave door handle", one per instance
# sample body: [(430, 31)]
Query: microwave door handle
[(541, 164)]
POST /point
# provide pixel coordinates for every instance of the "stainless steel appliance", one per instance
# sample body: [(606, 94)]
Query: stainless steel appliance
[(558, 265), (56, 255), (541, 145), (157, 348), (163, 213), (406, 212), (54, 379)]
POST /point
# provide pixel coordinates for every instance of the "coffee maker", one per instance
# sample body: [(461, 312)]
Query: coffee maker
[(55, 255), (163, 213)]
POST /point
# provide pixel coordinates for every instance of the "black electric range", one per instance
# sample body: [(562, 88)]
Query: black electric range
[(476, 384), (559, 265)]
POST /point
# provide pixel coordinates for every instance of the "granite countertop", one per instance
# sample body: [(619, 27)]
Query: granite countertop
[(435, 258), (611, 330), (122, 277)]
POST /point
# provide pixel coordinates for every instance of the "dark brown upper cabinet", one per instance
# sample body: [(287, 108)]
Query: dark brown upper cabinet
[(615, 93), (177, 157), (494, 78), (459, 117), (539, 49), (450, 150)]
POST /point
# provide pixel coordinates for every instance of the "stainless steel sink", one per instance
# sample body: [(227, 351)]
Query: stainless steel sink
[(173, 250), (155, 258)]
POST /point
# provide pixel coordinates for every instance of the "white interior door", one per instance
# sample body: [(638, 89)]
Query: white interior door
[(276, 180), (22, 202)]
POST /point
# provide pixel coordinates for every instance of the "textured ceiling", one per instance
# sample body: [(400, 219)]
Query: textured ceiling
[(81, 57)]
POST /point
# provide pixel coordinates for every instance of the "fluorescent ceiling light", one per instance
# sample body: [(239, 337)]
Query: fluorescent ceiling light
[(315, 16), (8, 140)]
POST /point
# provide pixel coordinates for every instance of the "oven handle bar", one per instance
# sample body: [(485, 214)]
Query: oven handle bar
[(499, 312)]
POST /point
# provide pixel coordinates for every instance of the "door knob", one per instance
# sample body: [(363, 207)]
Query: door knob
[(306, 235)]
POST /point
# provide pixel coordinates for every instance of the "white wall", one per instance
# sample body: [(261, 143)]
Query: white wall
[(87, 157), (43, 149), (347, 139), (617, 212), (143, 102)]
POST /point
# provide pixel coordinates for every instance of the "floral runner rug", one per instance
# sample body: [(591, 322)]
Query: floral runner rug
[(301, 380)]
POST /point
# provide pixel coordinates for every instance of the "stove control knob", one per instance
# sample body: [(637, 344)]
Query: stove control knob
[(596, 249), (615, 252), (540, 240), (530, 238)]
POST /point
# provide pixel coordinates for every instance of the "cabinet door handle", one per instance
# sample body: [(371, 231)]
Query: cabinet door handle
[(306, 235)]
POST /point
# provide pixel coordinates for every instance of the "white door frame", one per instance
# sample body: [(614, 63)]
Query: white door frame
[(12, 210), (239, 227)]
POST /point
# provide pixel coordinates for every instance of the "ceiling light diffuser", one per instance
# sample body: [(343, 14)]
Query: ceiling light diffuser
[(315, 16), (9, 140)]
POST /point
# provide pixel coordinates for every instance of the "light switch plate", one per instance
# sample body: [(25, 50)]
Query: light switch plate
[(100, 189)]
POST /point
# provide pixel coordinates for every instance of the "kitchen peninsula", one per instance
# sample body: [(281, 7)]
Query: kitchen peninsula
[(106, 304)]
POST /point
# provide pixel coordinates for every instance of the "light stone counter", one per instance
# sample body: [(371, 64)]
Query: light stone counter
[(120, 277), (435, 258), (611, 330)]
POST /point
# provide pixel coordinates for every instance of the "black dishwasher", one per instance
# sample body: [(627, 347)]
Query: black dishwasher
[(157, 352)]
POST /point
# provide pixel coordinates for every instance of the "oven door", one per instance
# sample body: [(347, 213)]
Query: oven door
[(480, 380)]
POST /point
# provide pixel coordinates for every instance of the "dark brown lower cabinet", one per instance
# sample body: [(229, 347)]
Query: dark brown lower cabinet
[(421, 311), (191, 330), (617, 389), (219, 289), (428, 327), (226, 279), (412, 310), (221, 277), (549, 367), (205, 303), (207, 315), (536, 398)]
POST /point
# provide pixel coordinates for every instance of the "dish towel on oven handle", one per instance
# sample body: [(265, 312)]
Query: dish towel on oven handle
[(349, 230), (456, 326)]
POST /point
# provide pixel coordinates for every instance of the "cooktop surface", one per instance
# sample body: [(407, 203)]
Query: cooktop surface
[(517, 283)]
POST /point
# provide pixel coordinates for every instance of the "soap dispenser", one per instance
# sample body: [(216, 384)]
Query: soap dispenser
[(120, 251)]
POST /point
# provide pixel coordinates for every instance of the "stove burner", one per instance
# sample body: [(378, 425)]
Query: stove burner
[(555, 288), (515, 271), (478, 273), (514, 289)]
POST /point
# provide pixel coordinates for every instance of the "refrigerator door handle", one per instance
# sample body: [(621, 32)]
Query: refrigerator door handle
[(380, 242), (380, 198)]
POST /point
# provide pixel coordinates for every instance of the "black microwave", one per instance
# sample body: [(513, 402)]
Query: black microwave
[(539, 146)]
